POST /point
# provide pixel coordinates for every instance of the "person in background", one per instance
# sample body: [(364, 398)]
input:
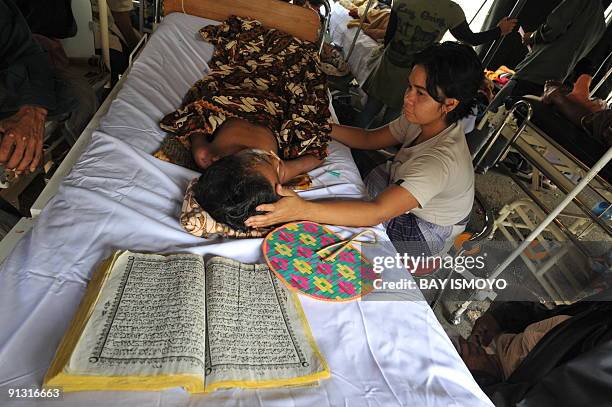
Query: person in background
[(29, 92), (121, 10), (413, 26), (570, 31), (121, 35), (536, 356)]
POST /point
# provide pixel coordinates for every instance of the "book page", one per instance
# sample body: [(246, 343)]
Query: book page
[(255, 331), (149, 319)]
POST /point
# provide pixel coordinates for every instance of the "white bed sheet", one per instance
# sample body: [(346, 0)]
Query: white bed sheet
[(343, 36), (117, 196)]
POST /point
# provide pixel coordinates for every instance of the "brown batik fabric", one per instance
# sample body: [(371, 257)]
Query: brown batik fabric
[(262, 75)]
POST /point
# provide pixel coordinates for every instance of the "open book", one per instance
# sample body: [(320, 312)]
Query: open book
[(151, 322)]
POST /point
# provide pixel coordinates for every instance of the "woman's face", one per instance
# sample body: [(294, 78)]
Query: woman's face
[(419, 106)]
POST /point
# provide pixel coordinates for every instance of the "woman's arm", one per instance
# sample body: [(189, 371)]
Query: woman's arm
[(392, 202), (292, 168), (355, 137)]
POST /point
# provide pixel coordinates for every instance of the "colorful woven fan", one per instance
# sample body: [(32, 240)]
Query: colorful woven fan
[(312, 259)]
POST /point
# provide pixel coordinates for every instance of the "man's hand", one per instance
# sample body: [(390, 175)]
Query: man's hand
[(506, 25), (22, 138), (528, 38), (287, 209), (485, 329)]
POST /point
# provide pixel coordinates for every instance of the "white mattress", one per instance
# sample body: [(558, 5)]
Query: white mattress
[(381, 353), (343, 36)]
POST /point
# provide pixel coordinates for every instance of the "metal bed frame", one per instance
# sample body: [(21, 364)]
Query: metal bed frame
[(513, 126)]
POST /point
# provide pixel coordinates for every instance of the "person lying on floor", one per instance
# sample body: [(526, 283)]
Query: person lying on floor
[(425, 193), (543, 357), (260, 114)]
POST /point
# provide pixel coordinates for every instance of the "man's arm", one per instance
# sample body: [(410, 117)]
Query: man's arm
[(121, 10), (464, 33), (557, 22), (122, 19), (25, 73), (27, 88)]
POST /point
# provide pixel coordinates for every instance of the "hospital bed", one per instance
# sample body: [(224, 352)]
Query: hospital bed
[(390, 352)]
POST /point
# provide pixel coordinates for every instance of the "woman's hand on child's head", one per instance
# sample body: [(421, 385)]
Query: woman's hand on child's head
[(287, 209)]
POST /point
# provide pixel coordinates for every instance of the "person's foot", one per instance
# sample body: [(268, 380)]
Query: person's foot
[(580, 95)]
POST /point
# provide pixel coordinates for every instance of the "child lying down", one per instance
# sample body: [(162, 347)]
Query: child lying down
[(259, 118)]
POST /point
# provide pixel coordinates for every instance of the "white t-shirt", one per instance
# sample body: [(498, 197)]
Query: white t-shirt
[(437, 172)]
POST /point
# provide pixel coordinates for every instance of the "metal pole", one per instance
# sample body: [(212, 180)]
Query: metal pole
[(493, 50), (602, 162), (478, 12), (601, 82), (508, 143), (325, 24), (141, 6), (363, 17), (156, 16)]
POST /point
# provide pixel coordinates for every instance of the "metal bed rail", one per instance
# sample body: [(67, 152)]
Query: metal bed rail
[(599, 165)]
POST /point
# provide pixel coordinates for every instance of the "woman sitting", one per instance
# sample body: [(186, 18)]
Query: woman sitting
[(425, 193)]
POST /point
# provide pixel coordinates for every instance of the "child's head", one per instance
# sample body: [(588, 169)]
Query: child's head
[(231, 188), (443, 84)]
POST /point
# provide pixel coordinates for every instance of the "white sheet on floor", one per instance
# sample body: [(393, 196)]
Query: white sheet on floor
[(381, 353)]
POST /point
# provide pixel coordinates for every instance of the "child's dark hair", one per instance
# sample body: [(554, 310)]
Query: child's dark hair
[(230, 190), (454, 69)]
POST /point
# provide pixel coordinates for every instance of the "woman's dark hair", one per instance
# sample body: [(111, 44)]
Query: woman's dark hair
[(454, 69), (230, 190)]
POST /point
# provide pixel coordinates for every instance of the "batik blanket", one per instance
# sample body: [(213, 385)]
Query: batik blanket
[(262, 75)]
